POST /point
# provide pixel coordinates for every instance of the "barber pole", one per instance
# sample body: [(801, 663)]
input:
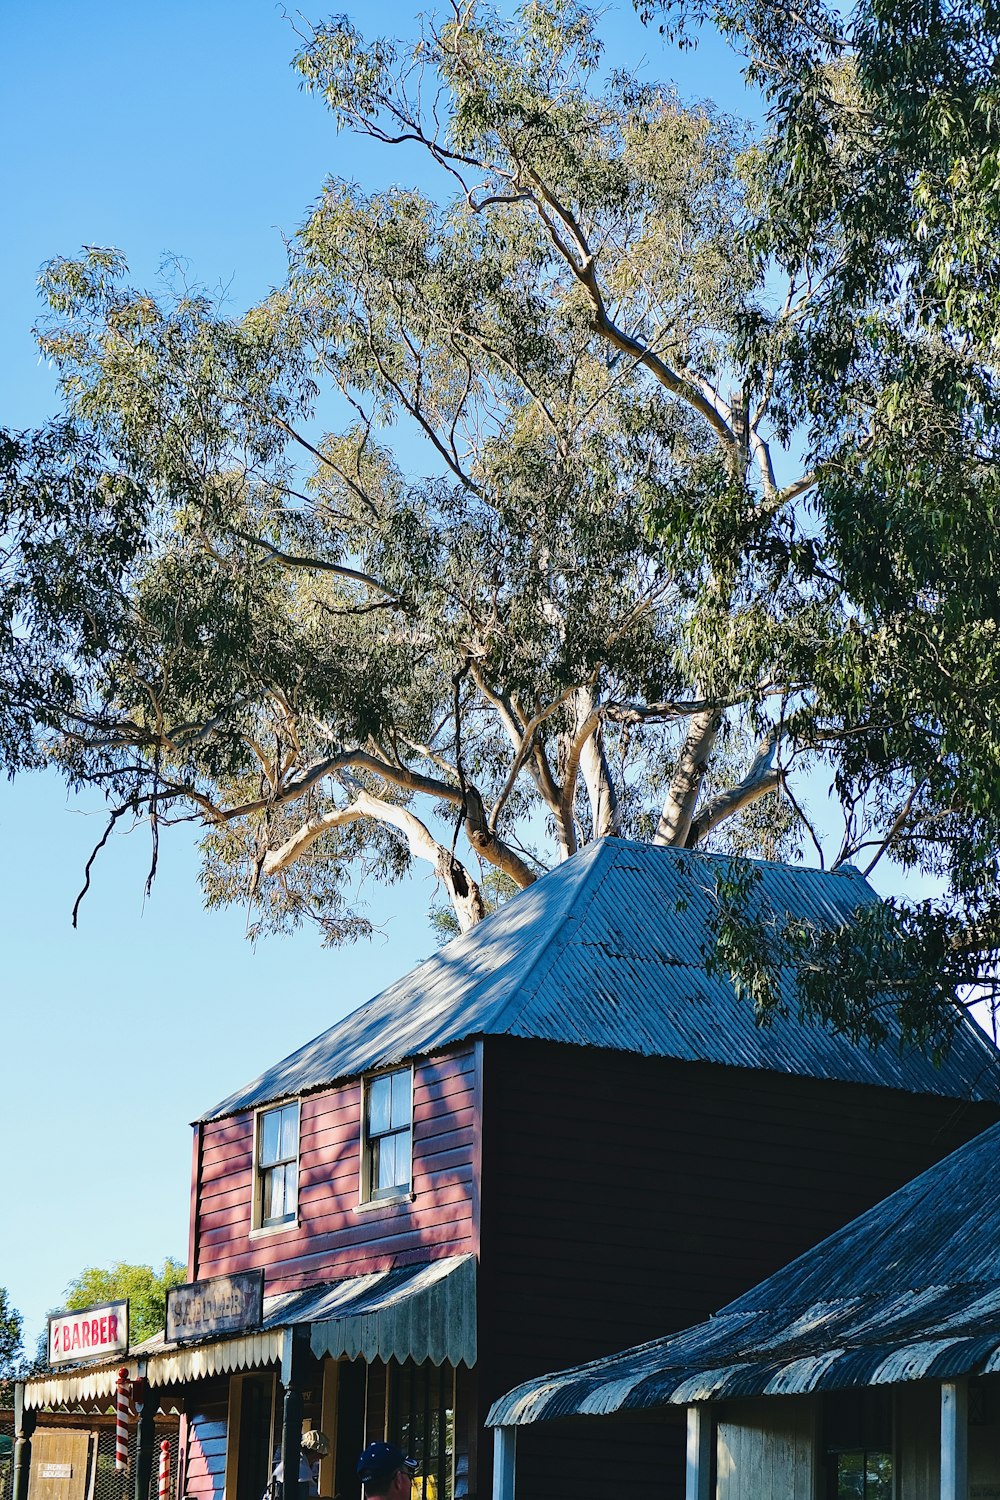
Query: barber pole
[(121, 1422), (164, 1488)]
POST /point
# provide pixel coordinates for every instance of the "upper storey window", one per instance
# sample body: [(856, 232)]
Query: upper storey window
[(388, 1135), (277, 1166)]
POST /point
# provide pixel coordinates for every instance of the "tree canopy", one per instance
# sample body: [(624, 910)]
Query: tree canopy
[(11, 1345), (144, 1288), (622, 473)]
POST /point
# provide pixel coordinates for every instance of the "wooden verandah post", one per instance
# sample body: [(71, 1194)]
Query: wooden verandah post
[(698, 1468), (955, 1440), (24, 1426), (504, 1450)]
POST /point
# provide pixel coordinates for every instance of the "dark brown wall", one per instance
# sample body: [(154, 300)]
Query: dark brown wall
[(334, 1237), (625, 1197)]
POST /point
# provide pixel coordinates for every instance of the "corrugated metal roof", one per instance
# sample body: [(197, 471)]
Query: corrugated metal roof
[(421, 1312), (908, 1291), (607, 951)]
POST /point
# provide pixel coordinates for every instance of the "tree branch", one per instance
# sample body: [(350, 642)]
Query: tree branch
[(674, 824), (763, 777)]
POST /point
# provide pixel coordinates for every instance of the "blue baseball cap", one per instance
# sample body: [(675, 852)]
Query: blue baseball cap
[(380, 1461)]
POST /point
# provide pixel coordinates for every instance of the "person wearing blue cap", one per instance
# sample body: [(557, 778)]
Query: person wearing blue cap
[(386, 1472)]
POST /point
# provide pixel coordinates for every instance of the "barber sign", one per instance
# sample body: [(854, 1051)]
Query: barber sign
[(92, 1333)]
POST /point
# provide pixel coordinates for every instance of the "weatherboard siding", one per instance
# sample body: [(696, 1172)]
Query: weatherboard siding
[(766, 1448), (335, 1235), (205, 1457)]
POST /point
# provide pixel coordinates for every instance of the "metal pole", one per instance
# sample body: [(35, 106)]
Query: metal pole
[(294, 1358), (291, 1442), (24, 1426), (144, 1444)]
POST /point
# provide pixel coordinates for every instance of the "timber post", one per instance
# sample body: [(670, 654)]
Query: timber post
[(504, 1453), (24, 1426), (698, 1464), (145, 1438), (292, 1369), (954, 1440)]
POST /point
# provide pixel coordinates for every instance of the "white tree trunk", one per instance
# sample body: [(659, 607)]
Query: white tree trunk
[(692, 763), (605, 810)]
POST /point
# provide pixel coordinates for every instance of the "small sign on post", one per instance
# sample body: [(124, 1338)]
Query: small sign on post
[(92, 1333), (220, 1304)]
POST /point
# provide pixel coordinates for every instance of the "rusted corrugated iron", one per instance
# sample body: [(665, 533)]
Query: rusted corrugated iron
[(908, 1291), (608, 950)]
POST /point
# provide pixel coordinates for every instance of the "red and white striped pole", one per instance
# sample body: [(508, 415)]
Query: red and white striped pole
[(121, 1422), (164, 1487)]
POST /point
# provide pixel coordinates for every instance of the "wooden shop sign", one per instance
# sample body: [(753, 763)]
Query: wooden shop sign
[(220, 1304)]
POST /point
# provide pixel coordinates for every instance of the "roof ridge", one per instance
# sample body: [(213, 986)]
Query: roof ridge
[(557, 941)]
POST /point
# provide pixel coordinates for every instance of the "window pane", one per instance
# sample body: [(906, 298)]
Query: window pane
[(384, 1166), (379, 1094), (402, 1177), (270, 1137), (878, 1480), (850, 1476), (422, 1421), (864, 1476), (291, 1188), (274, 1194), (400, 1098), (290, 1133)]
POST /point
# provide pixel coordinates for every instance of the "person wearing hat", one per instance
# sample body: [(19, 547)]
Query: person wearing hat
[(315, 1445), (386, 1471)]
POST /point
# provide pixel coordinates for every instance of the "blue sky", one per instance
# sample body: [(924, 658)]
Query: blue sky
[(165, 131)]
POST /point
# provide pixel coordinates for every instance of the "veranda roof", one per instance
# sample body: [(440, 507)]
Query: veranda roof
[(908, 1291), (421, 1312)]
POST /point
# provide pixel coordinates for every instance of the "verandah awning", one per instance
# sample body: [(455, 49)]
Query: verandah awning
[(423, 1312)]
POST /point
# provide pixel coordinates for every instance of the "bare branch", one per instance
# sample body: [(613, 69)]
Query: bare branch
[(119, 812), (316, 565)]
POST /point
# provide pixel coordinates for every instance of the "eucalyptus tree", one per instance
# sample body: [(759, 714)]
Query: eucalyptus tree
[(490, 533), (879, 170)]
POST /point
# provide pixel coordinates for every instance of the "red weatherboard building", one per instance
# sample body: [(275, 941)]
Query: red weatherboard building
[(555, 1137)]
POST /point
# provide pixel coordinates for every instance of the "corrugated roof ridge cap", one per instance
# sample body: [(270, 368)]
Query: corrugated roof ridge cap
[(499, 1022), (845, 871)]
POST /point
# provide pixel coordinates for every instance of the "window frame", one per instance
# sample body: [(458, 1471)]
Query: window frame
[(369, 1196), (416, 1381), (860, 1424), (260, 1225)]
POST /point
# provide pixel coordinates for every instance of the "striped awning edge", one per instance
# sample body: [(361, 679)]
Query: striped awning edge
[(166, 1367), (425, 1312), (422, 1312)]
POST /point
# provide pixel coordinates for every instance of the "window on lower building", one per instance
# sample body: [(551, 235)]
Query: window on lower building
[(387, 1134), (422, 1422), (863, 1476), (277, 1166), (858, 1440)]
